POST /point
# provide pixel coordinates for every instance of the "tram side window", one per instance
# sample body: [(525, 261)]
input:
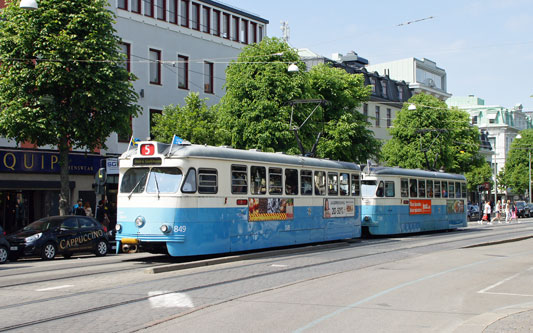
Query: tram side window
[(463, 190), (258, 175), (404, 188), (429, 188), (291, 181), (457, 189), (421, 188), (344, 184), (413, 188), (333, 183), (306, 180), (320, 183), (356, 186), (444, 189), (451, 190), (437, 189), (380, 190), (389, 189), (189, 185), (239, 181), (274, 181), (134, 180), (164, 180), (207, 181)]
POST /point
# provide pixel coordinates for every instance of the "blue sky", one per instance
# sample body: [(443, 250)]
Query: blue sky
[(485, 46)]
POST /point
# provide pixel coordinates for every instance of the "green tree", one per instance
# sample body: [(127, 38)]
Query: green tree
[(433, 136), (479, 176), (194, 122), (516, 165), (346, 136), (62, 79)]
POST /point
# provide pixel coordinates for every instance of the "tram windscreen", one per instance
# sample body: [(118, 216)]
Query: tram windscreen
[(134, 180), (368, 188), (164, 180)]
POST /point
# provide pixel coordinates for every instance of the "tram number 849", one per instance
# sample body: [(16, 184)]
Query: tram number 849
[(180, 228)]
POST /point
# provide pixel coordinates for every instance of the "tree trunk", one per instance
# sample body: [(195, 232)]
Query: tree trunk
[(64, 195)]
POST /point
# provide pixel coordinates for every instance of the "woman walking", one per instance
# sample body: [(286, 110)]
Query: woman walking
[(497, 211), (508, 212)]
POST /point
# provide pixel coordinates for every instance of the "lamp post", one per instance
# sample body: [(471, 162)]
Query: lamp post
[(529, 167)]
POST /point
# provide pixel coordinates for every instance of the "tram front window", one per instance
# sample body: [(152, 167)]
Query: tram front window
[(133, 180), (164, 180), (368, 188)]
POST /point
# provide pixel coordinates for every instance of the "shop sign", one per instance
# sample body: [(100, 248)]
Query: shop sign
[(12, 161), (112, 166)]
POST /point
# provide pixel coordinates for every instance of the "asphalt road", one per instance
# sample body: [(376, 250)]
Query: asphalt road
[(471, 280)]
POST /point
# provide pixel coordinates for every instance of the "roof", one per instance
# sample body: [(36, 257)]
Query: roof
[(395, 171)]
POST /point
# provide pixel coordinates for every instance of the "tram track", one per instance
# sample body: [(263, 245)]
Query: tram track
[(406, 245)]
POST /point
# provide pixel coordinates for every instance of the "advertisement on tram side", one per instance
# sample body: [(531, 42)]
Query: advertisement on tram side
[(269, 209), (418, 207)]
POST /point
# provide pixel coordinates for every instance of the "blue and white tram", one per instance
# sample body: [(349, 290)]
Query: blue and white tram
[(196, 199), (396, 201)]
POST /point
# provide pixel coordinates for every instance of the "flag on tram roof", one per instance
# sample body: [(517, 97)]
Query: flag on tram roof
[(176, 140)]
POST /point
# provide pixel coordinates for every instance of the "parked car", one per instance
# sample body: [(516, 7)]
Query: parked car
[(521, 209), (64, 235), (4, 246), (473, 213), (529, 208)]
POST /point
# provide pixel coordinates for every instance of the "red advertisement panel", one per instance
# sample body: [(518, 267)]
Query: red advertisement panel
[(417, 207)]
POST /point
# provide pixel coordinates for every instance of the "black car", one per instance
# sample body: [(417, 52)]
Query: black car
[(4, 246), (521, 209), (473, 213), (59, 235), (529, 208)]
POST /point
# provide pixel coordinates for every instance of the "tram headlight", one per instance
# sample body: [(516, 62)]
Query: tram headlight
[(366, 218), (118, 227), (140, 221), (165, 229)]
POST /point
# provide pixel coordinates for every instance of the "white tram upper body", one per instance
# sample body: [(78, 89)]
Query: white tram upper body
[(193, 199), (396, 201)]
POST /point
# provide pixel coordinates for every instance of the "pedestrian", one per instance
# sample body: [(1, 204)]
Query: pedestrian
[(514, 213), (99, 213), (88, 209), (486, 213), (497, 210), (19, 213), (508, 212), (79, 209)]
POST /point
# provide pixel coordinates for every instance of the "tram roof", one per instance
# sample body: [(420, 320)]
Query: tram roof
[(228, 153), (395, 171)]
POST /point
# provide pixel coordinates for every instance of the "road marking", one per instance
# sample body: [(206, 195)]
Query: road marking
[(54, 288), (508, 294), (166, 299), (278, 265), (498, 283)]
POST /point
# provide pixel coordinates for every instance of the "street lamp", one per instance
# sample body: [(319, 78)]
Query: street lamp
[(29, 4)]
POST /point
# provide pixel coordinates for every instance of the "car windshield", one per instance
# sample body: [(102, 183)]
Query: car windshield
[(520, 204), (40, 225)]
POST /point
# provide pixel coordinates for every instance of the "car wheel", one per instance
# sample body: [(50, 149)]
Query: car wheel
[(101, 248), (49, 251), (3, 254)]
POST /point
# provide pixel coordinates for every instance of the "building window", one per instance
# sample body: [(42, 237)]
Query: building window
[(206, 19), (184, 13), (225, 25), (384, 88), (136, 6), (208, 77), (216, 23), (125, 49), (389, 117), (260, 33), (253, 32), (377, 116), (173, 11), (373, 83), (474, 120), (365, 110), (400, 93), (161, 10), (195, 16), (235, 28), (155, 66), (123, 4), (149, 8), (183, 72), (152, 123), (244, 32)]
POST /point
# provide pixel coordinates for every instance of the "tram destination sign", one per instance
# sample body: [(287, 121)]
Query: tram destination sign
[(147, 161)]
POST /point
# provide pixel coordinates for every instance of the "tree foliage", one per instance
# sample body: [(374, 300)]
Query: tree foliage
[(195, 122), (256, 114), (433, 137), (61, 79), (516, 166)]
